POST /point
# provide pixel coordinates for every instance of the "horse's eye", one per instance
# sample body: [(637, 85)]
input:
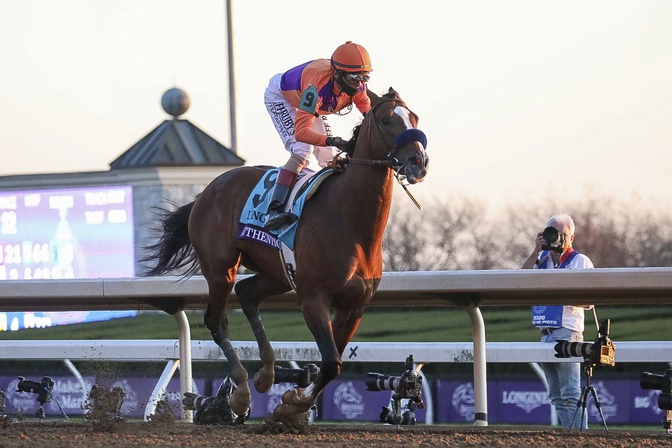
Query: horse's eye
[(385, 121)]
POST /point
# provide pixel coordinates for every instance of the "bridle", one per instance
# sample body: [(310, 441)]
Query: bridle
[(391, 146)]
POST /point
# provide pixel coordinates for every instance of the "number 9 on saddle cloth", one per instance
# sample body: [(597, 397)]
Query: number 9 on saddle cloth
[(251, 225)]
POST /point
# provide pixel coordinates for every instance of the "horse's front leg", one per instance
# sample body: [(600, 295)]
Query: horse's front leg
[(316, 315), (217, 322), (345, 325), (342, 330)]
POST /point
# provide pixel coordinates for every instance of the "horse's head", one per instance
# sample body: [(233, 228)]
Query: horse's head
[(404, 144)]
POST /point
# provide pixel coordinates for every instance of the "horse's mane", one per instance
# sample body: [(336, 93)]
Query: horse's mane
[(350, 148)]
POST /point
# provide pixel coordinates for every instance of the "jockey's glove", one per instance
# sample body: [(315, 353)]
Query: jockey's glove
[(338, 142)]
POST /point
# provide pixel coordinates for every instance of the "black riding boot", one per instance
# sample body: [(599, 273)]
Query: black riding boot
[(276, 216)]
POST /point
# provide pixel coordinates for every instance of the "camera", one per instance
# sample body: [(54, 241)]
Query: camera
[(42, 389), (214, 410), (301, 377), (407, 386), (555, 241), (378, 382), (602, 352), (663, 383)]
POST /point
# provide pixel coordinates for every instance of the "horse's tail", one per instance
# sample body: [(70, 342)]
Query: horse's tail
[(173, 250)]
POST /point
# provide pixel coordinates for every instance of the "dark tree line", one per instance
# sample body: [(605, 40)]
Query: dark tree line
[(458, 232)]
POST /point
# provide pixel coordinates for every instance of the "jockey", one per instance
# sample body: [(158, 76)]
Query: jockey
[(299, 101)]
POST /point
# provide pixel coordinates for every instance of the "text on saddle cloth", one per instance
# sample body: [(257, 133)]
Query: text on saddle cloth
[(253, 216)]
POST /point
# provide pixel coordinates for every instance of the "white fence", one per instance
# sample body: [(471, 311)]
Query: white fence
[(468, 289)]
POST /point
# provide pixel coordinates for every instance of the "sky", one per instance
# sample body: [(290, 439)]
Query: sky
[(519, 99)]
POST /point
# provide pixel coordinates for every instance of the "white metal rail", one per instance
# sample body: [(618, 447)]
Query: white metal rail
[(468, 289)]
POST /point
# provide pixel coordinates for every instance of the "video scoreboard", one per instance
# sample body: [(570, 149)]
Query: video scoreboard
[(65, 234)]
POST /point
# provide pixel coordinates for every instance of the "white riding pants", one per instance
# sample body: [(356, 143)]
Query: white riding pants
[(283, 115)]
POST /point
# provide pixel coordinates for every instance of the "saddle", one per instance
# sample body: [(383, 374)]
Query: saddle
[(253, 216)]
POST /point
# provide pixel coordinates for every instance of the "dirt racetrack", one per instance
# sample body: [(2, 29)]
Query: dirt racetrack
[(177, 434)]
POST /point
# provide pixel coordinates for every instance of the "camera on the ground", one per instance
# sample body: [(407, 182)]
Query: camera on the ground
[(602, 352), (407, 386), (42, 389), (555, 241), (216, 409), (663, 383), (301, 377)]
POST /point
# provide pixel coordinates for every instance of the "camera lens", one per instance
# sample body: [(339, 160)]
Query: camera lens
[(550, 234), (566, 349), (651, 381), (378, 382), (665, 401)]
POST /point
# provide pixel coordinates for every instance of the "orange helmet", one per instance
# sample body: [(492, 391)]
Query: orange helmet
[(351, 57)]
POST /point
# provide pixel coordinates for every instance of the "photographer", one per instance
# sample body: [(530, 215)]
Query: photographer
[(553, 250)]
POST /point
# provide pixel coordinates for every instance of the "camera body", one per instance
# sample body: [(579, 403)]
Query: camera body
[(602, 352), (42, 389), (407, 386), (663, 383), (555, 241)]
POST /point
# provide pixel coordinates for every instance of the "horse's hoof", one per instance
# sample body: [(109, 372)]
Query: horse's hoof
[(290, 415), (263, 382), (293, 398), (240, 402)]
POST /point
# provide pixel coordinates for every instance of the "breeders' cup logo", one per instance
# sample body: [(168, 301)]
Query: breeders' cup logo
[(463, 401), (649, 401), (348, 400), (607, 400), (528, 400), (20, 401)]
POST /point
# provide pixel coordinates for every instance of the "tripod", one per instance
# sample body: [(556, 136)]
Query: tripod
[(588, 371)]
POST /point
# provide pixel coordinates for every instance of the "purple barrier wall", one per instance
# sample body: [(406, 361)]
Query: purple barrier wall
[(526, 402), (509, 401)]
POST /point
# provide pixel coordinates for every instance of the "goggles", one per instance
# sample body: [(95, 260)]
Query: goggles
[(356, 77)]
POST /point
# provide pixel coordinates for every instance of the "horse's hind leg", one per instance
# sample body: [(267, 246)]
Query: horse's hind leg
[(251, 291), (217, 322)]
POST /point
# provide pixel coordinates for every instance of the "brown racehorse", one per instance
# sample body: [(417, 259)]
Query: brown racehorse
[(338, 249)]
